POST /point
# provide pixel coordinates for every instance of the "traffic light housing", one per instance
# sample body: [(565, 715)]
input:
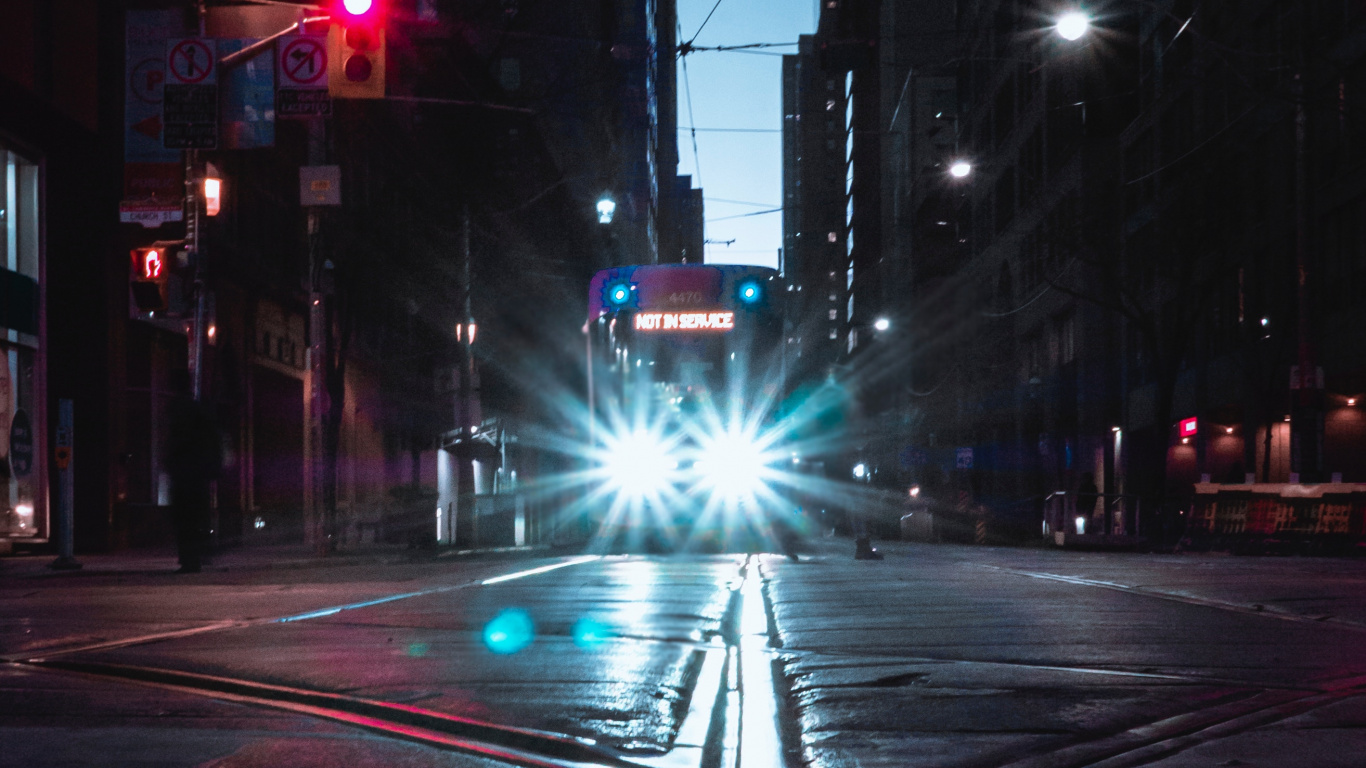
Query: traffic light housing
[(355, 50), (151, 271)]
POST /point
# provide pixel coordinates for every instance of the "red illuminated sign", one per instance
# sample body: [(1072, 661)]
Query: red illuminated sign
[(1188, 427), (685, 321), (148, 263), (151, 265)]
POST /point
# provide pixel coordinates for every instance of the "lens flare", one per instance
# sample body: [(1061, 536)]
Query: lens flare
[(509, 631), (639, 463), (589, 633), (732, 464)]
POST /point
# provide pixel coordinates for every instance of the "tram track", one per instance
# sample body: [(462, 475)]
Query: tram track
[(709, 736), (1240, 704)]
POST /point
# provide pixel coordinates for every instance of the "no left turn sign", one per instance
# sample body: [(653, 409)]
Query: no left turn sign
[(191, 61), (303, 62)]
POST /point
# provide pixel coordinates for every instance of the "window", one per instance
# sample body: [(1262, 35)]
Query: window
[(834, 314), (832, 237)]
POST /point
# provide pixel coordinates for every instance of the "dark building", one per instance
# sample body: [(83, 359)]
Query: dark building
[(337, 336), (815, 232), (1112, 291)]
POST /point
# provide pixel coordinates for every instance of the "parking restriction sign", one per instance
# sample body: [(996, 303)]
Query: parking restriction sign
[(189, 103), (191, 61), (301, 77)]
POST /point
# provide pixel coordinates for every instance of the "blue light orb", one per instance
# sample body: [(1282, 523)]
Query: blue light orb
[(589, 633), (751, 292), (509, 631), (619, 295)]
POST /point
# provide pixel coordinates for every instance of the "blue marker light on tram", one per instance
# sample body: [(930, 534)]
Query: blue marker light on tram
[(750, 292), (619, 295)]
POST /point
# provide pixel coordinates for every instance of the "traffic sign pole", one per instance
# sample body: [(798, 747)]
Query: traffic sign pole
[(66, 489)]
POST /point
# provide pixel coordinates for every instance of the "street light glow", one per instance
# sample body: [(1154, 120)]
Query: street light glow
[(960, 169), (1073, 25), (607, 207), (882, 324)]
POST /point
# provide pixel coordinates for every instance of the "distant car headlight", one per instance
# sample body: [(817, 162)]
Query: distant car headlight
[(732, 464), (639, 463)]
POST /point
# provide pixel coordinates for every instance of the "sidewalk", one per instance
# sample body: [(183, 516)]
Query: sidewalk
[(948, 655), (255, 557)]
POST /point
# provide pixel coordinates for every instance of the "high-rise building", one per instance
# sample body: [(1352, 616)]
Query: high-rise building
[(815, 230)]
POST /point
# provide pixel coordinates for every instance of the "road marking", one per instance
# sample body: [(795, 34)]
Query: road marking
[(542, 569), (318, 614), (761, 744), (1178, 598), (321, 612), (315, 614), (152, 638)]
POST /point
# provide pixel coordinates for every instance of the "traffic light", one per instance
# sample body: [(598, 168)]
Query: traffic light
[(150, 273), (355, 50)]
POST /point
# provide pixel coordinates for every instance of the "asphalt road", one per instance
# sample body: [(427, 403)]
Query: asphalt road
[(935, 656)]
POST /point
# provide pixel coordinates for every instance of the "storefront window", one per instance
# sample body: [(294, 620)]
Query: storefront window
[(21, 504)]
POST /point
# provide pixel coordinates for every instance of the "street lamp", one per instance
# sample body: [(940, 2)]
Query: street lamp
[(1072, 25), (882, 324), (607, 207), (960, 169)]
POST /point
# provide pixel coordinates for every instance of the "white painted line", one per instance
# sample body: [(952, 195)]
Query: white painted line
[(319, 613), (542, 569), (761, 743), (108, 644), (692, 733), (1179, 598)]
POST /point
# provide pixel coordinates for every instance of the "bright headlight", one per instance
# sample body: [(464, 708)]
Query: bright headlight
[(732, 464), (639, 463)]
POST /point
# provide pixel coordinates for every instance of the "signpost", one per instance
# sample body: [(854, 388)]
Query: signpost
[(66, 488), (189, 108), (151, 214), (301, 77)]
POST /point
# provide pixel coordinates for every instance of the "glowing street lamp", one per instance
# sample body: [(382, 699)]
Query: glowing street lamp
[(1072, 25), (960, 169), (882, 324), (607, 207)]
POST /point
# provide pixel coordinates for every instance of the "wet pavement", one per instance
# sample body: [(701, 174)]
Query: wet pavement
[(969, 656), (936, 656)]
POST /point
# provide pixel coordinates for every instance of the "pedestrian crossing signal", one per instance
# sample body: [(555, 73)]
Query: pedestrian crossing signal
[(150, 274)]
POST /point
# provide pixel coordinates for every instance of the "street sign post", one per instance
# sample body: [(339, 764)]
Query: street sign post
[(66, 487), (189, 107), (301, 77)]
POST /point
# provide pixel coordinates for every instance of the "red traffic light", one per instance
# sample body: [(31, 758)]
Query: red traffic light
[(356, 49)]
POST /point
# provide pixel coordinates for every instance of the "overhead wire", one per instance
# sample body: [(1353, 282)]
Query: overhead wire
[(704, 24)]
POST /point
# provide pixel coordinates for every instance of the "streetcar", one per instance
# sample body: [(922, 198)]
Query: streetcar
[(685, 366)]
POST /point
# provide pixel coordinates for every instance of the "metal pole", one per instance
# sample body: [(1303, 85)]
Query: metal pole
[(317, 346), (66, 489), (464, 477), (193, 247)]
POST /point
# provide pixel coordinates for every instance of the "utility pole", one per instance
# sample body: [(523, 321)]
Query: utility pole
[(1306, 425), (464, 473)]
